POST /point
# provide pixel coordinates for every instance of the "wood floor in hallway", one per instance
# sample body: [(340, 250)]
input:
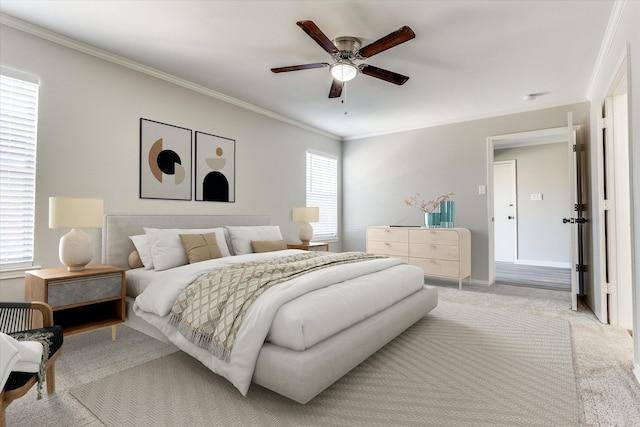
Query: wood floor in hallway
[(552, 278)]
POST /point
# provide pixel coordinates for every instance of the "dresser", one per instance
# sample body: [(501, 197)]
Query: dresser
[(439, 252)]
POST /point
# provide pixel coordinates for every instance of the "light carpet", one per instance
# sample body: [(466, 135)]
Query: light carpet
[(458, 366)]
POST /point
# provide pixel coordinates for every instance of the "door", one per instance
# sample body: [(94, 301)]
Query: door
[(504, 210), (574, 207)]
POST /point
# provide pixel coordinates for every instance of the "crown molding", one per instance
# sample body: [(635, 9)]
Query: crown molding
[(136, 66), (605, 46), (426, 125)]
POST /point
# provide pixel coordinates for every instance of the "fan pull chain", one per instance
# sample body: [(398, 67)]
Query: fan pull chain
[(344, 97)]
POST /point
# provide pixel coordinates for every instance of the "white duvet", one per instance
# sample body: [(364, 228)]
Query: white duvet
[(303, 311)]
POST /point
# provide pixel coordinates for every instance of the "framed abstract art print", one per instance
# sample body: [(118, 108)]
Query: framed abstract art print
[(215, 168), (165, 161)]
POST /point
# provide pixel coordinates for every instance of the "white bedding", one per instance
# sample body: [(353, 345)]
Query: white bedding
[(155, 302), (313, 317), (138, 279)]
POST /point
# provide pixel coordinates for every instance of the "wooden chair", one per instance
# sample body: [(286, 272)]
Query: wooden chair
[(25, 317)]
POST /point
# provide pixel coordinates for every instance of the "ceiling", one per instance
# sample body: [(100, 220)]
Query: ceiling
[(470, 59)]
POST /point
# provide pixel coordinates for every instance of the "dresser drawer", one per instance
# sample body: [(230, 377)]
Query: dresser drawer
[(434, 237), (419, 250), (66, 292), (437, 267), (388, 234), (395, 249)]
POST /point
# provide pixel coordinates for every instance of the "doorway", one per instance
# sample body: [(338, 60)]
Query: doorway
[(537, 252)]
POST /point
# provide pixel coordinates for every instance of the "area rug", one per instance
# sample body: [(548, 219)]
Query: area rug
[(458, 366)]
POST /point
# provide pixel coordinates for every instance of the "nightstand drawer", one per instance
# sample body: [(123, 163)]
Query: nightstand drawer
[(81, 290)]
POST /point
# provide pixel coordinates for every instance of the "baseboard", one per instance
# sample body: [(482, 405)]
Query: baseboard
[(430, 280), (555, 264), (636, 372), (478, 282)]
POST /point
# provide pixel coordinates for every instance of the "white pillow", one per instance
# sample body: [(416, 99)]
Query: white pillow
[(141, 242), (167, 250), (241, 237)]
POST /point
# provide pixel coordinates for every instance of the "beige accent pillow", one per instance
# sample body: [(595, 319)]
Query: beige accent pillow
[(268, 245), (200, 247), (134, 260)]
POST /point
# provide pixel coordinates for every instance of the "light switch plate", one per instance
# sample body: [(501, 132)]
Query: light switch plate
[(536, 196), (482, 189)]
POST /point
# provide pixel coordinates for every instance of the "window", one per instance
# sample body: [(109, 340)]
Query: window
[(18, 123), (322, 191)]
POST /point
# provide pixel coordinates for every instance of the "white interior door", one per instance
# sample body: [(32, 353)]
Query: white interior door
[(504, 210)]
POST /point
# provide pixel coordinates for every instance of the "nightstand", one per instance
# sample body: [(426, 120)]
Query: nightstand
[(81, 300), (311, 246)]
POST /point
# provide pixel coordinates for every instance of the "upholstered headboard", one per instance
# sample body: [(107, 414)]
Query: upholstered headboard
[(116, 245)]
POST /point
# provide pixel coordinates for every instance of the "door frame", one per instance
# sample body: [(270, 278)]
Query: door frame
[(611, 262), (518, 139)]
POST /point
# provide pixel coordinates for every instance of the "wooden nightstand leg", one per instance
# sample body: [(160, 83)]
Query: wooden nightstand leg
[(113, 332)]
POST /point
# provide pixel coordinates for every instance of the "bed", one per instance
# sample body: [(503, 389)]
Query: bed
[(296, 367)]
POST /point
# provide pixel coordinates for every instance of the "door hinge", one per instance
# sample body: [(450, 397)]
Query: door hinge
[(610, 288), (581, 268), (603, 123)]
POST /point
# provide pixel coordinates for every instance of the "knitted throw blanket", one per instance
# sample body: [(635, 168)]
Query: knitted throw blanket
[(43, 338), (209, 312)]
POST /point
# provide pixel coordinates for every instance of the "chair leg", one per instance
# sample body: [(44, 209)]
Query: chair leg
[(2, 414), (51, 378)]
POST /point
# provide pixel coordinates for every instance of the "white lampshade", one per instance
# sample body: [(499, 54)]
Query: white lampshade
[(344, 71), (304, 215), (76, 247)]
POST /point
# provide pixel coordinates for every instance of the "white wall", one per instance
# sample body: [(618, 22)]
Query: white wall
[(88, 142), (626, 39), (380, 172), (543, 239)]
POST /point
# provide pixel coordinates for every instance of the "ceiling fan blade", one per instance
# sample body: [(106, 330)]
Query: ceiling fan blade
[(316, 34), (299, 67), (387, 42), (385, 75), (336, 89)]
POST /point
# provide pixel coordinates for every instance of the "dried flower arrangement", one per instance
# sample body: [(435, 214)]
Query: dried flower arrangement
[(427, 206)]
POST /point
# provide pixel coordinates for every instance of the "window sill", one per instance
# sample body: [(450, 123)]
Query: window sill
[(325, 240), (16, 273)]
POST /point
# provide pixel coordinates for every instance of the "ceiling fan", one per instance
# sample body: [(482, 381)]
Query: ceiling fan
[(345, 51)]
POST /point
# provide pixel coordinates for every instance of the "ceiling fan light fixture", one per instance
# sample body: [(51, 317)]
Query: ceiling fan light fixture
[(344, 71)]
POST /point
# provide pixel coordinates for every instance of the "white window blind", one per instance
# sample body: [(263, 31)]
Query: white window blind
[(18, 124), (322, 191)]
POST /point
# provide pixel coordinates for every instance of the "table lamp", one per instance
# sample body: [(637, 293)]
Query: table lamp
[(305, 215), (76, 247)]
